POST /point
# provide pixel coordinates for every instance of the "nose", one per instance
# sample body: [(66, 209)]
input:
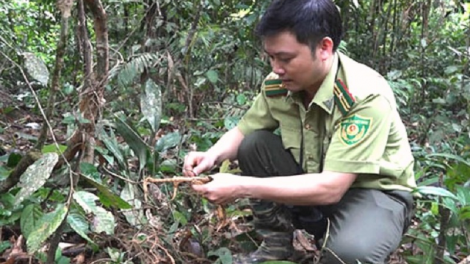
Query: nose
[(277, 68)]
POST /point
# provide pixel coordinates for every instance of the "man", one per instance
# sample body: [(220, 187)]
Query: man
[(342, 167)]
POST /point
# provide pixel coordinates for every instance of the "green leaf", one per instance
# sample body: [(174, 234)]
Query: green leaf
[(465, 214), (68, 88), (103, 221), (151, 104), (113, 146), (4, 245), (4, 158), (30, 217), (62, 259), (230, 122), (168, 166), (434, 208), (105, 154), (53, 148), (107, 197), (36, 68), (80, 225), (115, 254), (457, 128), (394, 75), (90, 171), (5, 212), (140, 62), (13, 159), (451, 70), (431, 190), (241, 99), (35, 176), (86, 200), (212, 75), (429, 181), (134, 216), (439, 100), (180, 218), (168, 141), (225, 166), (4, 173), (224, 254), (463, 193), (47, 225), (450, 204), (451, 157), (7, 199), (134, 141)]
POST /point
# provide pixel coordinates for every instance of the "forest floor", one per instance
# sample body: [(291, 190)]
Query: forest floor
[(21, 129)]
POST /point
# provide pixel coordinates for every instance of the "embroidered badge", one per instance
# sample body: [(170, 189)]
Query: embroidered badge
[(274, 88), (354, 129), (343, 98)]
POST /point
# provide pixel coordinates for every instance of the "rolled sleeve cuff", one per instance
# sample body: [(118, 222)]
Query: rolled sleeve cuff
[(244, 128), (348, 166)]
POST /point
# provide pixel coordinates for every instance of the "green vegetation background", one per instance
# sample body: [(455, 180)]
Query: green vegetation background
[(181, 73)]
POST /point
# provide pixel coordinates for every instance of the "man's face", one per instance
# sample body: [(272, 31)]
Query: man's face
[(294, 62)]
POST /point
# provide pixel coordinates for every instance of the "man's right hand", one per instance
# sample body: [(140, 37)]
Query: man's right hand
[(196, 163)]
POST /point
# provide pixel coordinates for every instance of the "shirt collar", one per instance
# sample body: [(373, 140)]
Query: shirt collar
[(324, 96)]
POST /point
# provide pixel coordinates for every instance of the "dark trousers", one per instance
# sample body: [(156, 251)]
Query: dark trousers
[(366, 225)]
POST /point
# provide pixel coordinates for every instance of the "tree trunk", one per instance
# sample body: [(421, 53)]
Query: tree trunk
[(91, 99), (150, 33), (65, 7), (91, 96)]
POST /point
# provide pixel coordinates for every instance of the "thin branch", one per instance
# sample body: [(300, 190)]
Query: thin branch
[(118, 176)]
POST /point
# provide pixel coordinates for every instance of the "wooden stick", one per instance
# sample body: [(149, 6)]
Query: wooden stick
[(177, 181)]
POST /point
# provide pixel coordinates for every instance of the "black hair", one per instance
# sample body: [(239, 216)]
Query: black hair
[(309, 20)]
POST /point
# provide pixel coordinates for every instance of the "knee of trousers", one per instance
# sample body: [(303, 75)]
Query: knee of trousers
[(254, 143), (351, 252)]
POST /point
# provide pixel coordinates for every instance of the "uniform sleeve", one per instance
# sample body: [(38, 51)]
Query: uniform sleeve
[(257, 117), (359, 140)]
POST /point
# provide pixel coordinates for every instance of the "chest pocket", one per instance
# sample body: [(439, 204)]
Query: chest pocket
[(290, 134)]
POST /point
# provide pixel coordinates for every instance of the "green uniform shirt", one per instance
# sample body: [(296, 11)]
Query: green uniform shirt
[(357, 131)]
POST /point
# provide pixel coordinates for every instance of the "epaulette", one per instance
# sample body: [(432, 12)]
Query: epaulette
[(274, 87), (343, 98)]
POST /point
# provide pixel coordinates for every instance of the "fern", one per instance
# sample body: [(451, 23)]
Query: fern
[(127, 73)]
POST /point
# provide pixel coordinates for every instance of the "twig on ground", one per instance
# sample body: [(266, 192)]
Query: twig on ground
[(176, 182)]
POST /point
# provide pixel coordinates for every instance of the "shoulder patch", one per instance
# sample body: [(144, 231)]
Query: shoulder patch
[(273, 87), (343, 98), (354, 129)]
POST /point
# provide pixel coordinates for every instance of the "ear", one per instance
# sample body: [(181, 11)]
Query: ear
[(325, 48)]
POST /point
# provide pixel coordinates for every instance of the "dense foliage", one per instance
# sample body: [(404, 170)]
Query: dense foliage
[(180, 74)]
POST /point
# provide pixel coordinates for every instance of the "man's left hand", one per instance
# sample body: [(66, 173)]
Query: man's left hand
[(224, 188)]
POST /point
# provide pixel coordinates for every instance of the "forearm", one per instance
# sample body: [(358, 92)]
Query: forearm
[(227, 146), (306, 189)]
